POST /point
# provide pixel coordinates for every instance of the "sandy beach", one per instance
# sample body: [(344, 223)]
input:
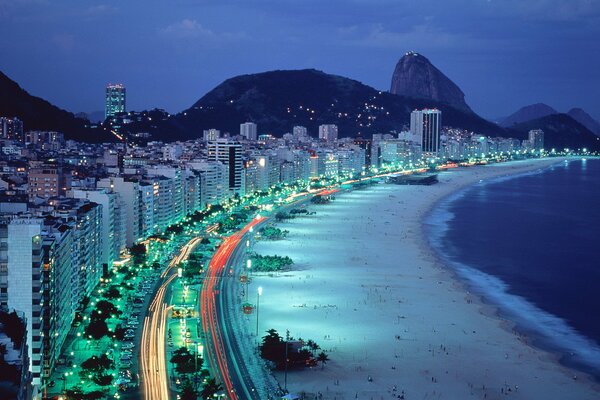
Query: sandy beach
[(368, 289)]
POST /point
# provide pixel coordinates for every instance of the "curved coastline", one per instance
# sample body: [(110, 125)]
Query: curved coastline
[(307, 301), (542, 330)]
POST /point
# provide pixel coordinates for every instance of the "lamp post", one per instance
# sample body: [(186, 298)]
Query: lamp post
[(249, 268), (259, 293)]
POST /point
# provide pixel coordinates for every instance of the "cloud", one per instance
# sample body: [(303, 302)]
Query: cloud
[(99, 10), (422, 35), (192, 30), (187, 28)]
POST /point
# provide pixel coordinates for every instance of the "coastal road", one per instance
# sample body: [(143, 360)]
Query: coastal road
[(153, 356), (224, 354)]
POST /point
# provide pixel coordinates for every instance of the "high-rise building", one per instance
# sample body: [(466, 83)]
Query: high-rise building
[(230, 154), (11, 128), (115, 100), (21, 281), (248, 130), (130, 194), (328, 133), (113, 218), (536, 139), (425, 127)]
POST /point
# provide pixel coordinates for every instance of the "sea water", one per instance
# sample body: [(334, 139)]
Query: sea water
[(530, 245)]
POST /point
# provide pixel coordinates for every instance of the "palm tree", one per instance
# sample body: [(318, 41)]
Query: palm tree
[(312, 345), (188, 392), (211, 387), (322, 358)]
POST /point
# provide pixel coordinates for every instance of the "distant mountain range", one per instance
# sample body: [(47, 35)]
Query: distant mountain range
[(560, 131), (527, 113), (38, 114), (279, 100), (585, 119)]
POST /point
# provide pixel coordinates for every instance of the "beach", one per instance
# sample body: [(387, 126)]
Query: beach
[(394, 321)]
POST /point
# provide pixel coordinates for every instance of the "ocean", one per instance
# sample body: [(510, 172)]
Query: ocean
[(529, 245)]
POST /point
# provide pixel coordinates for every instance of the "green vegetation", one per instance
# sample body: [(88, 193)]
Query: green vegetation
[(210, 389), (184, 361), (297, 211), (318, 199), (299, 354), (282, 215), (187, 391), (97, 327), (270, 263), (272, 233)]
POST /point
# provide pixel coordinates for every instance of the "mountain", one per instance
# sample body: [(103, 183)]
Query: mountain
[(585, 119), (415, 76), (560, 131), (528, 113), (38, 114), (278, 100)]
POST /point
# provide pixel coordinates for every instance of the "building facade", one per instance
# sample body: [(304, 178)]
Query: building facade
[(425, 126), (115, 100)]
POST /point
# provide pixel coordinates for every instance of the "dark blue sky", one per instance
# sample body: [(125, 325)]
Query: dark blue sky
[(503, 53)]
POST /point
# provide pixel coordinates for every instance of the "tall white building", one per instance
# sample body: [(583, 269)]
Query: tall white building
[(171, 199), (113, 234), (536, 139), (328, 133), (425, 127), (248, 130), (229, 153), (130, 194), (115, 100), (214, 181), (21, 281)]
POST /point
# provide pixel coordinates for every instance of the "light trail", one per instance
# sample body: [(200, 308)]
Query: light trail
[(153, 355), (218, 358)]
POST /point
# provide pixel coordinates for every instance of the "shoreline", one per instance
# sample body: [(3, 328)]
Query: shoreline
[(402, 281), (509, 319)]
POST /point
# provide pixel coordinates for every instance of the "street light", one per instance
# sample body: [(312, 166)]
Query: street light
[(257, 308)]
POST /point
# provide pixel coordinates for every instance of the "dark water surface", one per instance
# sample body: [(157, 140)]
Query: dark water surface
[(531, 245)]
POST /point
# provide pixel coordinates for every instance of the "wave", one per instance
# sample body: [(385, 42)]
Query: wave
[(547, 330)]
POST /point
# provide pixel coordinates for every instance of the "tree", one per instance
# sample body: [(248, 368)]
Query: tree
[(138, 249), (188, 392), (104, 309), (322, 358), (211, 387), (97, 329), (13, 326), (184, 361), (97, 364), (112, 293), (102, 380)]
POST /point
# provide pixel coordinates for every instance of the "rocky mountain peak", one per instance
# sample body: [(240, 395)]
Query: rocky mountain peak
[(415, 76)]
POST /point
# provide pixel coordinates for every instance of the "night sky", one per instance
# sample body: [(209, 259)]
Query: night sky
[(503, 54)]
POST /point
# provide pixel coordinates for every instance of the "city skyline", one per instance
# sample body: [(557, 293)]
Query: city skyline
[(503, 55)]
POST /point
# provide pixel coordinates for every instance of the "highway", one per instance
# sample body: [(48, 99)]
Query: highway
[(153, 356), (223, 353)]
